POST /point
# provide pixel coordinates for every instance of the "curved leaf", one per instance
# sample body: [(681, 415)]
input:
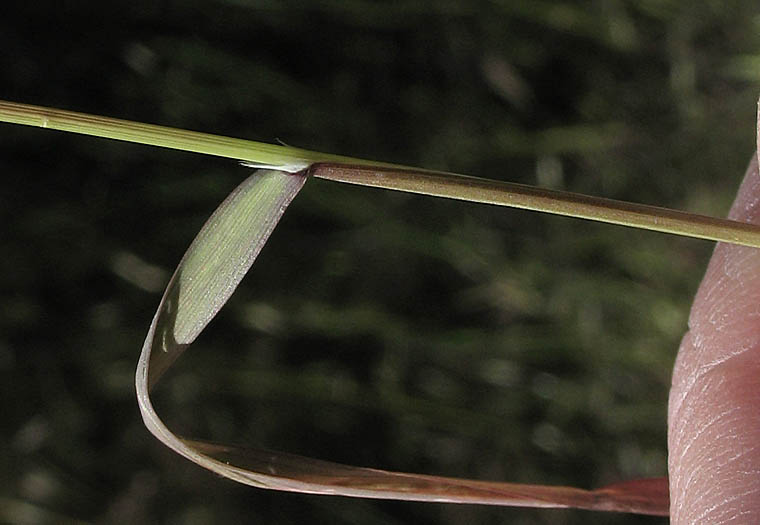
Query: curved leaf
[(209, 272)]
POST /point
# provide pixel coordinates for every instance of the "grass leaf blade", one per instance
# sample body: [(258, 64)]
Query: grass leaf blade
[(206, 277), (216, 262)]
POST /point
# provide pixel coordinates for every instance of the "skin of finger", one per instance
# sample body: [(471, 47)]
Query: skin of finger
[(714, 407)]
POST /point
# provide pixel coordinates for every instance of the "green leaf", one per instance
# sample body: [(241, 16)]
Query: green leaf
[(209, 272), (216, 262)]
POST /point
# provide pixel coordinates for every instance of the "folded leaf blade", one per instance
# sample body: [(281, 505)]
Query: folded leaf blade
[(217, 260), (206, 277)]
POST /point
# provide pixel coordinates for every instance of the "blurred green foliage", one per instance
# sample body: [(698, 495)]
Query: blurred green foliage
[(377, 329)]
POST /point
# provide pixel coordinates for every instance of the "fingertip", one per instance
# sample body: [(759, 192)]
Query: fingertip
[(714, 431)]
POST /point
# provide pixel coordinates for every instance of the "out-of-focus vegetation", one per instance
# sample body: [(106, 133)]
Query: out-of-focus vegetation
[(377, 329)]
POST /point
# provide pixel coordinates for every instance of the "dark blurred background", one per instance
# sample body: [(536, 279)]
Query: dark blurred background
[(376, 328)]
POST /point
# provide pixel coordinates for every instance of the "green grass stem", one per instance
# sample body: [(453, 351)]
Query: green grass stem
[(389, 176), (258, 154)]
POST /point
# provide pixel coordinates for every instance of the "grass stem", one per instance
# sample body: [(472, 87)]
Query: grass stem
[(389, 176), (500, 193), (256, 153)]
